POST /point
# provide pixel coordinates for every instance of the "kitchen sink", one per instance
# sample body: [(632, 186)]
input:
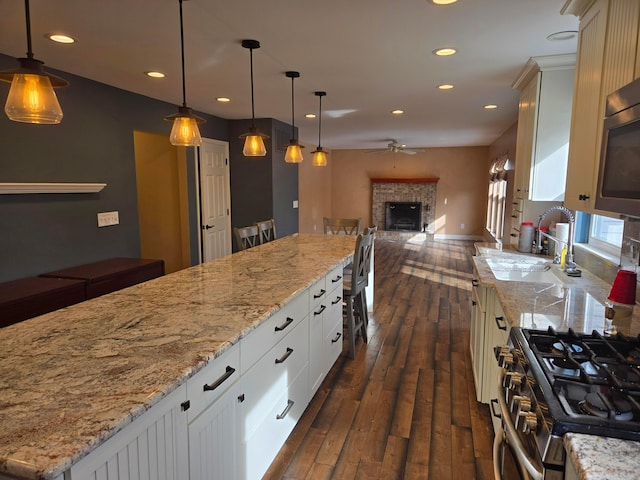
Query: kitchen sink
[(524, 270)]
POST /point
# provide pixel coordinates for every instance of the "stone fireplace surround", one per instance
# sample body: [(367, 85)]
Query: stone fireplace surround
[(421, 190)]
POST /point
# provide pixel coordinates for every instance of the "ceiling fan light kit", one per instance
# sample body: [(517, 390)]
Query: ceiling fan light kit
[(294, 149), (253, 139), (395, 147), (31, 97), (185, 131)]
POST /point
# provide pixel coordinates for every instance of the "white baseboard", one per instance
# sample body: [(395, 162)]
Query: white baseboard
[(444, 236)]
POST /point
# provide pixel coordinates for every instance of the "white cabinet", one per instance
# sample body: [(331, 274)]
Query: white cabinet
[(607, 59), (544, 116), (477, 332), (153, 446), (214, 394), (496, 336)]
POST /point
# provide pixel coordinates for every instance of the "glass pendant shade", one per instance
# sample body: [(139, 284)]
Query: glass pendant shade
[(254, 143), (294, 153), (31, 99), (185, 132), (319, 158)]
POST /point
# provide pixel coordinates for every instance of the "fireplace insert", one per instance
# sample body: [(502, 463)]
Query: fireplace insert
[(403, 216)]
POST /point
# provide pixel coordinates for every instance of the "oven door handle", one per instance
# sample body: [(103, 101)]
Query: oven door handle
[(511, 435)]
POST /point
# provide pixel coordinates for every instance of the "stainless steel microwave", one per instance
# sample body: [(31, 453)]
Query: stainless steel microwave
[(619, 172)]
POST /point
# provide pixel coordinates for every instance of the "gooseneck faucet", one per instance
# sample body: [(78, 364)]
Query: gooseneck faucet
[(570, 266)]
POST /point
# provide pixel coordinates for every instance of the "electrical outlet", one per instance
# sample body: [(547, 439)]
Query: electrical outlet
[(462, 226), (106, 219)]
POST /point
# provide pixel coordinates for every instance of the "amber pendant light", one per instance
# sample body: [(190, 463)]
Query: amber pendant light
[(31, 97), (253, 139), (294, 149), (185, 131), (319, 155)]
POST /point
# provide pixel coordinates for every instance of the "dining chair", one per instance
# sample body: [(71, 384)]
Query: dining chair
[(246, 237), (355, 302), (342, 226), (266, 230)]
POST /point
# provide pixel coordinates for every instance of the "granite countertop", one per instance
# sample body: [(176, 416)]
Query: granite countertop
[(73, 378), (578, 304)]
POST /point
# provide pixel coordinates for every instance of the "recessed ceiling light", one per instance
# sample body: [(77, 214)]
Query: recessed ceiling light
[(310, 115), (397, 112), (445, 86), (490, 106), (444, 52), (154, 74), (223, 99), (562, 36), (60, 38), (444, 2)]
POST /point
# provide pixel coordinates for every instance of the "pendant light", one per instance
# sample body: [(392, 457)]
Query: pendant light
[(185, 132), (31, 97), (253, 143), (319, 155), (294, 149)]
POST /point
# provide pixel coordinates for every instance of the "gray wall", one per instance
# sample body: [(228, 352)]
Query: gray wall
[(94, 143)]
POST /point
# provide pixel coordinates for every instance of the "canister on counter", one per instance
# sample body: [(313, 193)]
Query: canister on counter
[(525, 240)]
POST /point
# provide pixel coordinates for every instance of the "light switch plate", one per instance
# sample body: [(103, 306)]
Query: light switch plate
[(295, 204), (106, 219)]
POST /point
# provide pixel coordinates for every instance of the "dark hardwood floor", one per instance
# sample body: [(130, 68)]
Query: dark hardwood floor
[(405, 407)]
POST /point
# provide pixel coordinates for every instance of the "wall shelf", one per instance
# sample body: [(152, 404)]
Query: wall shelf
[(18, 188)]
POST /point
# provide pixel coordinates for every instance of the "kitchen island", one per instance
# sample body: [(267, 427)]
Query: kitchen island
[(71, 380), (573, 303)]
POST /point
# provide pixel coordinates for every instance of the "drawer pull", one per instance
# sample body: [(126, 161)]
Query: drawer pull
[(285, 356), (318, 295), (279, 328), (338, 335), (230, 370), (285, 411), (493, 411), (337, 279), (337, 300), (504, 326), (322, 309), (475, 282), (474, 303)]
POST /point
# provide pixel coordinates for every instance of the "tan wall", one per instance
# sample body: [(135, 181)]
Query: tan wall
[(462, 189), (314, 193)]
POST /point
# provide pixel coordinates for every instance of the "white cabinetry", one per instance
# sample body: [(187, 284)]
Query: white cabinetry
[(607, 59), (544, 116), (477, 329), (153, 446)]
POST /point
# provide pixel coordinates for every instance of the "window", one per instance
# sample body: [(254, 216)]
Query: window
[(601, 233)]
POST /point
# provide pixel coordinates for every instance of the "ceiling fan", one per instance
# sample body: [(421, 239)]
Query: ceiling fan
[(394, 147)]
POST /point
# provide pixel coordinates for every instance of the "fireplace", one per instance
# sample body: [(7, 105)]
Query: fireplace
[(403, 216), (420, 191)]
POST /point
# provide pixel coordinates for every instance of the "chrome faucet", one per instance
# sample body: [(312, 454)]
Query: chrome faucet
[(570, 266)]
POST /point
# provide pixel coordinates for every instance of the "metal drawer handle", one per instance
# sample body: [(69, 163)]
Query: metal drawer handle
[(337, 279), (322, 309), (474, 303), (338, 335), (230, 370), (494, 401), (285, 356), (337, 300), (318, 295), (285, 411), (503, 327), (475, 282), (279, 328)]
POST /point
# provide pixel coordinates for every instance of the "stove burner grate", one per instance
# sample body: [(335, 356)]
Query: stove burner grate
[(599, 405)]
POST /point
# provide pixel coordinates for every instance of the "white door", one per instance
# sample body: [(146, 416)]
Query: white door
[(215, 196)]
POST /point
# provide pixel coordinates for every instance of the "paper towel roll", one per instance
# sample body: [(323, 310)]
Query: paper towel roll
[(562, 232)]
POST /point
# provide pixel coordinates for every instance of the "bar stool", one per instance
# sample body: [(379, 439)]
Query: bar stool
[(266, 230), (246, 237), (355, 303)]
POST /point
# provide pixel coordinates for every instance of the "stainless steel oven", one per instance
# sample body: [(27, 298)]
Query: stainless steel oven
[(552, 383)]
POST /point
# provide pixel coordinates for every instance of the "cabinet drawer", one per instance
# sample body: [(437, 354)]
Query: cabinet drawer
[(263, 445), (212, 381), (263, 338), (334, 278), (272, 375), (333, 312), (317, 293), (333, 344)]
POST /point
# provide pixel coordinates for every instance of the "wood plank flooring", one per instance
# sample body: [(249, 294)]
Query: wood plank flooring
[(405, 407)]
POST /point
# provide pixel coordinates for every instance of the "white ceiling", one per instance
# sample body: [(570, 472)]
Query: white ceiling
[(370, 56)]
